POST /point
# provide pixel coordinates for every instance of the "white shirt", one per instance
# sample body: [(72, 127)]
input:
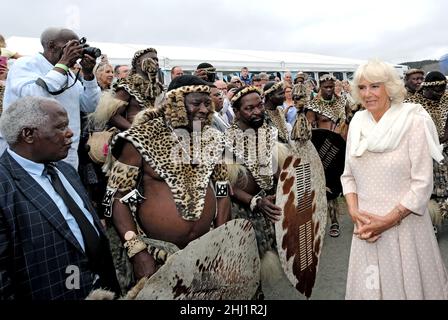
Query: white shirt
[(219, 123), (226, 110), (36, 171), (21, 82)]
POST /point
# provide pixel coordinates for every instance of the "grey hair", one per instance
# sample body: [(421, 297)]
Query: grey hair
[(376, 71), (26, 112), (48, 35), (53, 34), (263, 76)]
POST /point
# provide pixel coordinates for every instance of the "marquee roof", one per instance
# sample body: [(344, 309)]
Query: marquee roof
[(223, 59)]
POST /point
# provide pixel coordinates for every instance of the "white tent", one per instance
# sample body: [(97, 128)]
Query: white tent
[(225, 60)]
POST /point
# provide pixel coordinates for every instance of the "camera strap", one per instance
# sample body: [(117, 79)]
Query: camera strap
[(40, 82)]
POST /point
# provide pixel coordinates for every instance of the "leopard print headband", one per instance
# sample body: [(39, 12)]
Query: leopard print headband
[(243, 92), (208, 70), (433, 83), (275, 87)]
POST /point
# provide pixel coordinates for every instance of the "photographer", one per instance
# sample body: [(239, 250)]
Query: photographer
[(48, 74)]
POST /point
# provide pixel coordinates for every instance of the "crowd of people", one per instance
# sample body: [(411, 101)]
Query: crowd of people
[(108, 174)]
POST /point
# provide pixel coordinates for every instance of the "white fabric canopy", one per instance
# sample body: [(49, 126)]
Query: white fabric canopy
[(223, 59)]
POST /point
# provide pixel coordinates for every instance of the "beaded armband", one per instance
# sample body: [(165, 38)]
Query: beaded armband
[(220, 177)]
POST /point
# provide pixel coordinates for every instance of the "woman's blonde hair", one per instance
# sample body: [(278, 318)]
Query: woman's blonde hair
[(376, 71), (100, 67)]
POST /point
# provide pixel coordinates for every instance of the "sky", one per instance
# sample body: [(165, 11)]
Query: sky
[(392, 30)]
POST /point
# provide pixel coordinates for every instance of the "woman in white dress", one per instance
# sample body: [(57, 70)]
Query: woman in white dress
[(387, 183)]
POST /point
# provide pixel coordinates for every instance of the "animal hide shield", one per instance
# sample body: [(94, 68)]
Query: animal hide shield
[(331, 149), (300, 232), (222, 264)]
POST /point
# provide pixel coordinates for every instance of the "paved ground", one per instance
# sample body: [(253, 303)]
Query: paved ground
[(332, 274)]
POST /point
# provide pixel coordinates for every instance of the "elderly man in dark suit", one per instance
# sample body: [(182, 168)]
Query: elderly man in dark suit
[(52, 244)]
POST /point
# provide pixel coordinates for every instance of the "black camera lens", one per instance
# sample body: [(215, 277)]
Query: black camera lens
[(92, 51)]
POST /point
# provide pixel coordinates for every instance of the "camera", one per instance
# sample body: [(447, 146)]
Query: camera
[(91, 51)]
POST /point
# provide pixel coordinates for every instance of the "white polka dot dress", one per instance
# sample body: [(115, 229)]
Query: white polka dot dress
[(405, 263)]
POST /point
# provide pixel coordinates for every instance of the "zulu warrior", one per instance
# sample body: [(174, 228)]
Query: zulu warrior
[(274, 94), (132, 94), (251, 146), (326, 110), (167, 187), (329, 112), (413, 80), (433, 97), (252, 142)]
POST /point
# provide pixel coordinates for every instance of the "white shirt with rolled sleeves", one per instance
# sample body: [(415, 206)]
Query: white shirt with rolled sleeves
[(81, 97)]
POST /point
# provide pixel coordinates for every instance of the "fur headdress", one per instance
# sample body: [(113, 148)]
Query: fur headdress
[(434, 78), (327, 77), (138, 54), (270, 88), (414, 71)]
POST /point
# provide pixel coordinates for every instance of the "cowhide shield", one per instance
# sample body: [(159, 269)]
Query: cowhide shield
[(222, 264), (331, 149), (301, 230)]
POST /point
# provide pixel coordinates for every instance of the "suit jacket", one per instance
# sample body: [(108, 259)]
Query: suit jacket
[(39, 256)]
